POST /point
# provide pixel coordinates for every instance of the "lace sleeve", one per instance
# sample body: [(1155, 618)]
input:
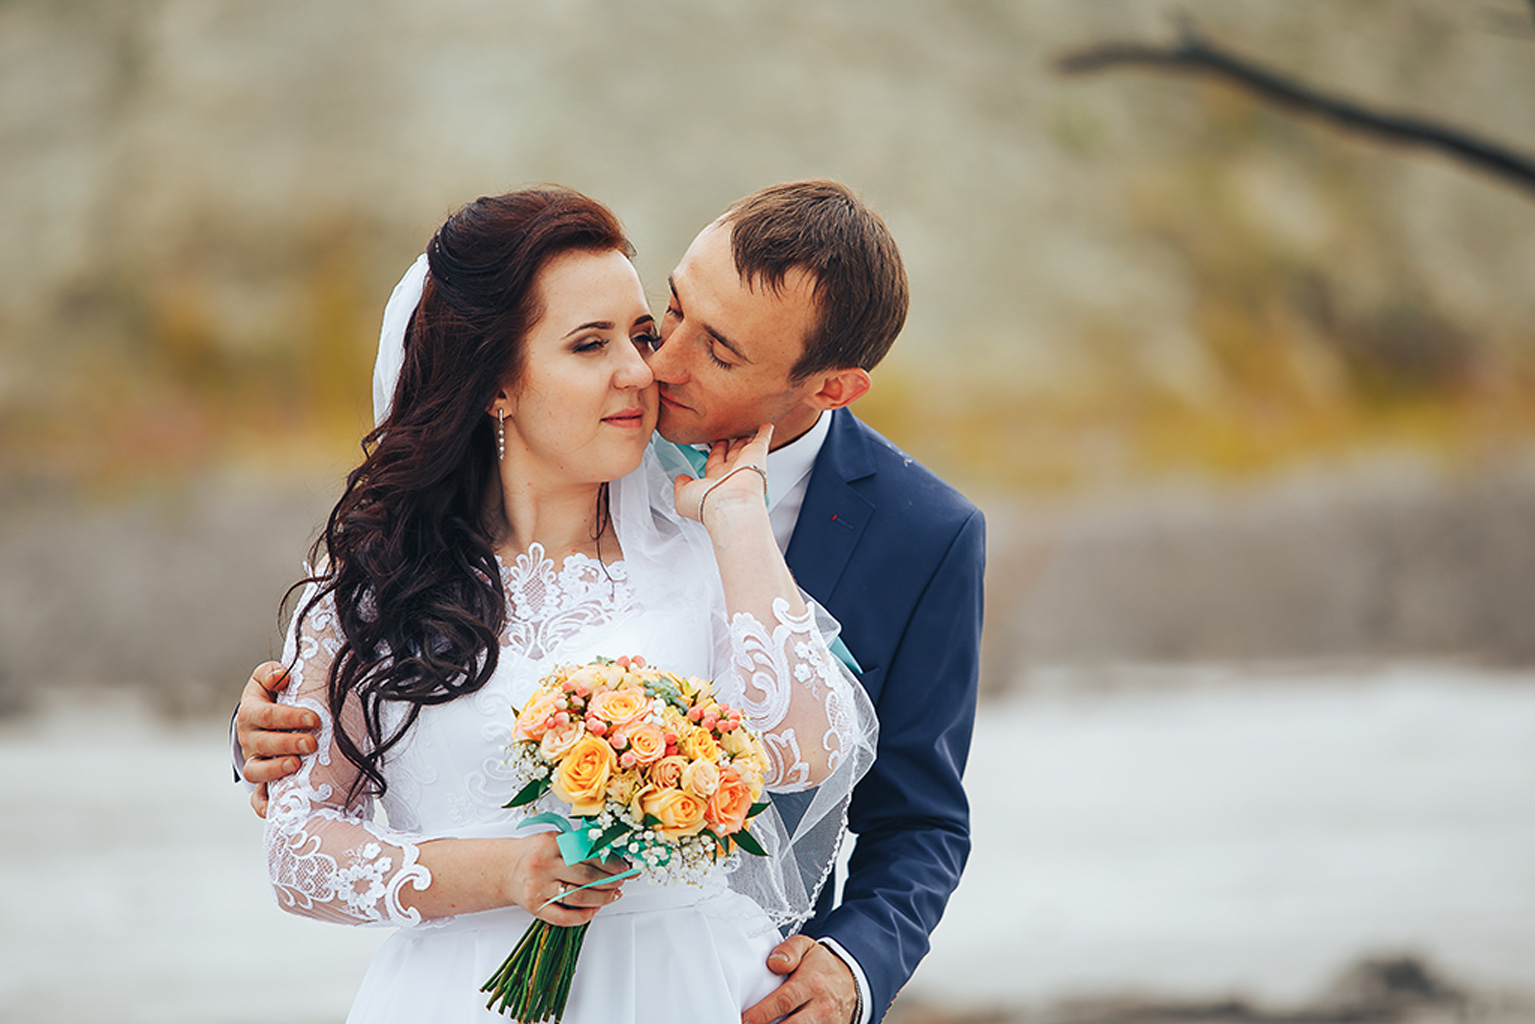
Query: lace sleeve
[(326, 858), (796, 693)]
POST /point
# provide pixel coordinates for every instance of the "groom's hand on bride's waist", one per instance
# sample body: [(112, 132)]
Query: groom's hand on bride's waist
[(271, 736), (819, 987)]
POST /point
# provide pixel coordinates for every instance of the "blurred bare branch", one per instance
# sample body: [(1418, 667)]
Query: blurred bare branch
[(1194, 54)]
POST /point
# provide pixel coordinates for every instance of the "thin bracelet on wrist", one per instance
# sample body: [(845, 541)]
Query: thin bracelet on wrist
[(710, 489)]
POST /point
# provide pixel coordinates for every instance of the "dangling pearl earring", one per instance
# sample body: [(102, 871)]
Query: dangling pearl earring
[(500, 435)]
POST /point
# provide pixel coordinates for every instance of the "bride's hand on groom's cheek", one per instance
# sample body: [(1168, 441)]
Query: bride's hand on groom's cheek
[(735, 473), (537, 873)]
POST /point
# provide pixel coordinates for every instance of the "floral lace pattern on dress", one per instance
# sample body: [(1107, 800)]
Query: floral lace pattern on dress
[(547, 606), (329, 859), (325, 859), (332, 861), (777, 671)]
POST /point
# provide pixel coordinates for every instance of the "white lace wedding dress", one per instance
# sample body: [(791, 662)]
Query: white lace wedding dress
[(676, 953)]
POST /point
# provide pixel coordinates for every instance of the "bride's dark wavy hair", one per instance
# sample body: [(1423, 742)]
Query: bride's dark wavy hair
[(408, 548)]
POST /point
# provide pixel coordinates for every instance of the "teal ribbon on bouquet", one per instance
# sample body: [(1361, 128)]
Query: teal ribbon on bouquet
[(686, 459), (577, 844)]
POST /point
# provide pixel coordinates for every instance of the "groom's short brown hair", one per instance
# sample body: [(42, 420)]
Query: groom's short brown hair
[(822, 228)]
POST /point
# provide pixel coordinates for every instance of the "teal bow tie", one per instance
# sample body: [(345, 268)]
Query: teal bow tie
[(681, 458), (684, 458)]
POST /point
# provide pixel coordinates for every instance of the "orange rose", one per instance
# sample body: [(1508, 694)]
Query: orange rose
[(619, 707), (647, 742), (681, 814), (582, 778), (667, 772), (701, 778), (558, 740), (530, 721), (727, 808), (699, 745)]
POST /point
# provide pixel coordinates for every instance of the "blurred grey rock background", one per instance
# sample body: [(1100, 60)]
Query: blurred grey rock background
[(1117, 281), (176, 593)]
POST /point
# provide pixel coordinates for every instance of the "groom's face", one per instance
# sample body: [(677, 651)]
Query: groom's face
[(727, 348)]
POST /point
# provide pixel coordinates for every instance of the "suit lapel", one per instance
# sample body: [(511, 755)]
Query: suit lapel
[(834, 514)]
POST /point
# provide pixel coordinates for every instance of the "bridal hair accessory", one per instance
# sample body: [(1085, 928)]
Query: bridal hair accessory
[(391, 337), (500, 435), (710, 489)]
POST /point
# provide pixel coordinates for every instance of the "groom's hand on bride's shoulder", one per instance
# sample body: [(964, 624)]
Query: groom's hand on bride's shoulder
[(272, 736), (819, 987)]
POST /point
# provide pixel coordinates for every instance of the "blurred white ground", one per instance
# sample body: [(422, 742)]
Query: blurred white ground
[(1192, 831)]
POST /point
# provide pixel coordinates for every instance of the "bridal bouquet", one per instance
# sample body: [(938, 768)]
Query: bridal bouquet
[(656, 771)]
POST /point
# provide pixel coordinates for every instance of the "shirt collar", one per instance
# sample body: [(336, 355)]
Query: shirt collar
[(789, 465)]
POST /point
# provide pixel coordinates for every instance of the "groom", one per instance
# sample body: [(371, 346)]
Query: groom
[(777, 313)]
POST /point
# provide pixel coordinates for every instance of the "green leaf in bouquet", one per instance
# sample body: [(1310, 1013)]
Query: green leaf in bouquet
[(746, 841), (527, 794), (651, 821), (757, 808)]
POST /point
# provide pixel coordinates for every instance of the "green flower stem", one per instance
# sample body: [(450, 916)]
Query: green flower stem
[(533, 983)]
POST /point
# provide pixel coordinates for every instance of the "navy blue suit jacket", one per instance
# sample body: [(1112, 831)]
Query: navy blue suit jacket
[(898, 557)]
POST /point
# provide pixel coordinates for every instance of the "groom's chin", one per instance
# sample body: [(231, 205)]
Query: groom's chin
[(671, 425)]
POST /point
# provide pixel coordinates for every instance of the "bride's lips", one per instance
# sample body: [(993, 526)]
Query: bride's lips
[(628, 418)]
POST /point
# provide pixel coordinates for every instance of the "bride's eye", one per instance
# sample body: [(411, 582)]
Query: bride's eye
[(650, 342)]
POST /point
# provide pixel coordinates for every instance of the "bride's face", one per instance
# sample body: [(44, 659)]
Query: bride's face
[(586, 404)]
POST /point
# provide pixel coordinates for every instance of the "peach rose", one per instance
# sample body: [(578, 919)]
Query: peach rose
[(667, 772), (582, 778), (647, 741), (699, 745), (558, 740), (619, 707), (530, 721), (726, 809), (701, 778), (681, 814)]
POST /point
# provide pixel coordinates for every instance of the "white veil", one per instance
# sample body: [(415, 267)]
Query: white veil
[(671, 560)]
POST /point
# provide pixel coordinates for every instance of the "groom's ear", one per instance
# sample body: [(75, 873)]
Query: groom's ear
[(839, 387)]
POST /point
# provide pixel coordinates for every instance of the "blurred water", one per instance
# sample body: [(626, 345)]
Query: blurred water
[(1193, 831), (1207, 831)]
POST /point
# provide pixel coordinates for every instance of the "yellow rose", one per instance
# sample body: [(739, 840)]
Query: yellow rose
[(667, 772), (681, 814), (701, 778), (619, 707), (647, 742), (558, 740), (698, 744), (582, 778), (726, 809), (535, 713)]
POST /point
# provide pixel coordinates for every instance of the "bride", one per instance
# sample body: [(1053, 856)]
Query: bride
[(509, 517)]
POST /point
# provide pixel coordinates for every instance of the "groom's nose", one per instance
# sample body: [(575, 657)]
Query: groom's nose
[(668, 360)]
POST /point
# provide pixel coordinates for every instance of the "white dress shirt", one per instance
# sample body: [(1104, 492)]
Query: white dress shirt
[(788, 478)]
